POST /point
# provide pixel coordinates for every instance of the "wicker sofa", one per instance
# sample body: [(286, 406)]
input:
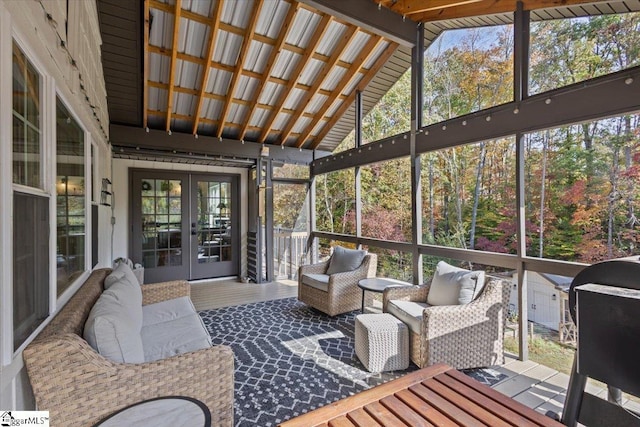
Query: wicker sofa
[(80, 387)]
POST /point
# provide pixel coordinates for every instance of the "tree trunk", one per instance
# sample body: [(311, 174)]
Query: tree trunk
[(476, 195), (326, 203), (432, 220), (543, 180)]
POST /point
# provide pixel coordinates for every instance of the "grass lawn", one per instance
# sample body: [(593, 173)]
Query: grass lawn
[(545, 352)]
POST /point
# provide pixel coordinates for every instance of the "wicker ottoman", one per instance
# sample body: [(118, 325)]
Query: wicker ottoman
[(382, 342)]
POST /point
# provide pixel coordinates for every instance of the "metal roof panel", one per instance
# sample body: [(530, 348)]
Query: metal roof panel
[(184, 104), (192, 38), (227, 48), (316, 103), (259, 117), (246, 88), (257, 56), (270, 93), (201, 7), (161, 29), (212, 108), (331, 38), (333, 78), (375, 55), (218, 81), (355, 47), (272, 18), (157, 99), (303, 27), (237, 13), (285, 62), (310, 72), (294, 98)]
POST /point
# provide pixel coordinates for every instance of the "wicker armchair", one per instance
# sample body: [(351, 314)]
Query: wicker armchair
[(342, 293), (462, 336)]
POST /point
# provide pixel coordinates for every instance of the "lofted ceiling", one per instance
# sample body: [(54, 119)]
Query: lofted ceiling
[(279, 72)]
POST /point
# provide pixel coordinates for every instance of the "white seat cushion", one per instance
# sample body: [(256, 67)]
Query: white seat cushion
[(318, 281), (172, 327), (454, 286), (408, 312)]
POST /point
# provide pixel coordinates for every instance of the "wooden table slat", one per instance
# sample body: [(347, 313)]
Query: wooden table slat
[(432, 414), (404, 412), (360, 418), (452, 411), (470, 407), (383, 415), (504, 400), (504, 412), (341, 421)]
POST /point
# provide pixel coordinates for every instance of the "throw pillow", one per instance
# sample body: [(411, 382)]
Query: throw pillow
[(122, 271), (111, 330), (454, 286), (345, 260)]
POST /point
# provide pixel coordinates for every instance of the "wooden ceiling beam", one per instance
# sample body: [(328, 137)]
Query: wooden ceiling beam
[(213, 34), (490, 7), (412, 7), (348, 77), (237, 72), (318, 34), (338, 51), (382, 59), (284, 31), (172, 66)]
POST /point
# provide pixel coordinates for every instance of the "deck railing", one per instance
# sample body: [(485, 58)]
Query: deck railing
[(288, 249)]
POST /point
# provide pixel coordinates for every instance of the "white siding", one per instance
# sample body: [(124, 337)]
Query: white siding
[(40, 40)]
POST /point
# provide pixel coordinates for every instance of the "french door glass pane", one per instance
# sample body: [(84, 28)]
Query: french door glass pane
[(214, 224), (161, 223)]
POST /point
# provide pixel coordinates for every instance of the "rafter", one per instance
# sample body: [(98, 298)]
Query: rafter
[(490, 7), (145, 79), (288, 21), (382, 59), (213, 34), (348, 77), (172, 67), (320, 31), (237, 72), (338, 51)]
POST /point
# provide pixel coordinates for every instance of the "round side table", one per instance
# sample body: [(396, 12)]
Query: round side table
[(378, 284), (162, 411)]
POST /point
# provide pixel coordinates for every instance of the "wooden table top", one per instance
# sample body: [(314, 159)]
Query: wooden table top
[(437, 395)]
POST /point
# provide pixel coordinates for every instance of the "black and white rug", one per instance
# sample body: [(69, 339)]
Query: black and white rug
[(291, 359)]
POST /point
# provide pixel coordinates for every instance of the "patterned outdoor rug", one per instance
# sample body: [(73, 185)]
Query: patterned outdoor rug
[(291, 359)]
